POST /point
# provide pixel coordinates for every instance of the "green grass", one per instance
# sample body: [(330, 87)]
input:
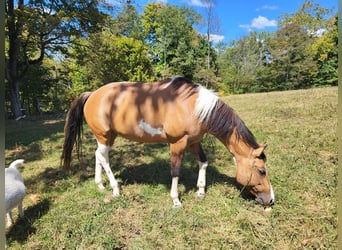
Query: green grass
[(300, 129)]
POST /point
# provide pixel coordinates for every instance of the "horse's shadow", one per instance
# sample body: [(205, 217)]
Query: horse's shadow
[(130, 167), (158, 170), (23, 227)]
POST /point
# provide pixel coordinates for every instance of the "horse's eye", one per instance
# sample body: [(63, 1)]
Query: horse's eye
[(262, 171)]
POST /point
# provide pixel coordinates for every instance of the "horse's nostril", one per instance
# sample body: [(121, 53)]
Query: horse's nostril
[(271, 202)]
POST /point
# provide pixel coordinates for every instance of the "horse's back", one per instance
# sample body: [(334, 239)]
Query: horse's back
[(147, 112)]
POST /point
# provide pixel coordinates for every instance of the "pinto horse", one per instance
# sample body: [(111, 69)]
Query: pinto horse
[(174, 111)]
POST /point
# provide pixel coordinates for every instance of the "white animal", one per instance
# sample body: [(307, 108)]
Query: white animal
[(15, 190)]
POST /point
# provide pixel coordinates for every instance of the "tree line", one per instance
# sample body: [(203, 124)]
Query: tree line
[(57, 49)]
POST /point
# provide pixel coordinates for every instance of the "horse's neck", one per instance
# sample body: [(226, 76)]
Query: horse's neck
[(237, 146)]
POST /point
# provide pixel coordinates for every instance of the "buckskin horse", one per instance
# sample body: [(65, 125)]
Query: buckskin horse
[(174, 111)]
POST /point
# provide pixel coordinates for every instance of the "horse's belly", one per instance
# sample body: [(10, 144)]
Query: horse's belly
[(145, 138), (144, 131)]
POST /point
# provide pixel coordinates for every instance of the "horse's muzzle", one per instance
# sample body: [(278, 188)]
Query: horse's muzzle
[(264, 200)]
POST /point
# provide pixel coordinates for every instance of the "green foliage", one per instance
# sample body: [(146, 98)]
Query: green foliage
[(325, 49), (242, 60), (296, 56), (292, 60), (310, 16), (38, 28), (207, 76), (90, 48), (127, 23), (170, 35), (150, 23), (77, 79), (36, 86), (105, 58), (118, 59)]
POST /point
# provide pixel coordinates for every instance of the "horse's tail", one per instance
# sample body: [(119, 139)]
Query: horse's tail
[(73, 129)]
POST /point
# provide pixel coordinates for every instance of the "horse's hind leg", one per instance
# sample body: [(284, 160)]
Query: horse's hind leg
[(197, 151), (177, 154), (102, 161)]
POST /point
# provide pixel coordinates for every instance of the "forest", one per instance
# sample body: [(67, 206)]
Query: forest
[(55, 50)]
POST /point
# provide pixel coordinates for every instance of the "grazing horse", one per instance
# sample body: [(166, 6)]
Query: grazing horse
[(174, 111)]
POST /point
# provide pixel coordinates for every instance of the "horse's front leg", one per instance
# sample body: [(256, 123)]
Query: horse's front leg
[(197, 151), (98, 170), (177, 155), (102, 160), (201, 182)]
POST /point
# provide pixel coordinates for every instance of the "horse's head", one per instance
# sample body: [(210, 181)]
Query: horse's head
[(252, 174)]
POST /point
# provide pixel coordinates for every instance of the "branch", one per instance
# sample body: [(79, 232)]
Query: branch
[(42, 53)]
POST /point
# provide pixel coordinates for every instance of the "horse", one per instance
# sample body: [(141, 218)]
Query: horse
[(176, 111)]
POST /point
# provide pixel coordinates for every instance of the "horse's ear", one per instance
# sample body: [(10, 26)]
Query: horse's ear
[(257, 152)]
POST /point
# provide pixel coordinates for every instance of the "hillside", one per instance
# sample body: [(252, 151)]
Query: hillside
[(67, 211)]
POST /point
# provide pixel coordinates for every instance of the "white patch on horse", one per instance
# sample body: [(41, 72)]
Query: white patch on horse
[(234, 161), (102, 161), (272, 193), (149, 129), (201, 179), (205, 103), (165, 85)]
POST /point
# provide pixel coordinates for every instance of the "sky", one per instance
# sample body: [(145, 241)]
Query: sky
[(237, 17)]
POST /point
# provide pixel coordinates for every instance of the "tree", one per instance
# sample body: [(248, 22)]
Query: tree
[(325, 49), (293, 62), (239, 64), (104, 57), (171, 38), (310, 16), (203, 73), (292, 59), (127, 23), (35, 85), (212, 25), (117, 59), (38, 28)]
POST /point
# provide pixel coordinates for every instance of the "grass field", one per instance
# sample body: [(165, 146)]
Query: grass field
[(66, 211)]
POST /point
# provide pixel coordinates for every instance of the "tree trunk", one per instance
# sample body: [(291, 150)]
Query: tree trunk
[(15, 100), (12, 72)]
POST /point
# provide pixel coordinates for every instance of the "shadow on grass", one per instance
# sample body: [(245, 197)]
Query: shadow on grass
[(49, 178), (23, 227), (26, 132), (127, 166), (30, 153), (159, 173), (126, 160)]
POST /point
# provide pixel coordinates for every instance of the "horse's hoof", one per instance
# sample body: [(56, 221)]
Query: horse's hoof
[(200, 195), (116, 192), (101, 187), (177, 204)]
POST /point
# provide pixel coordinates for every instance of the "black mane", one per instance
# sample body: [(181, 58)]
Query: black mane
[(223, 120), (179, 81)]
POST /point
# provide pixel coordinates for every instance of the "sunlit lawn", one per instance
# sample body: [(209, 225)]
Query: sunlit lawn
[(67, 211)]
